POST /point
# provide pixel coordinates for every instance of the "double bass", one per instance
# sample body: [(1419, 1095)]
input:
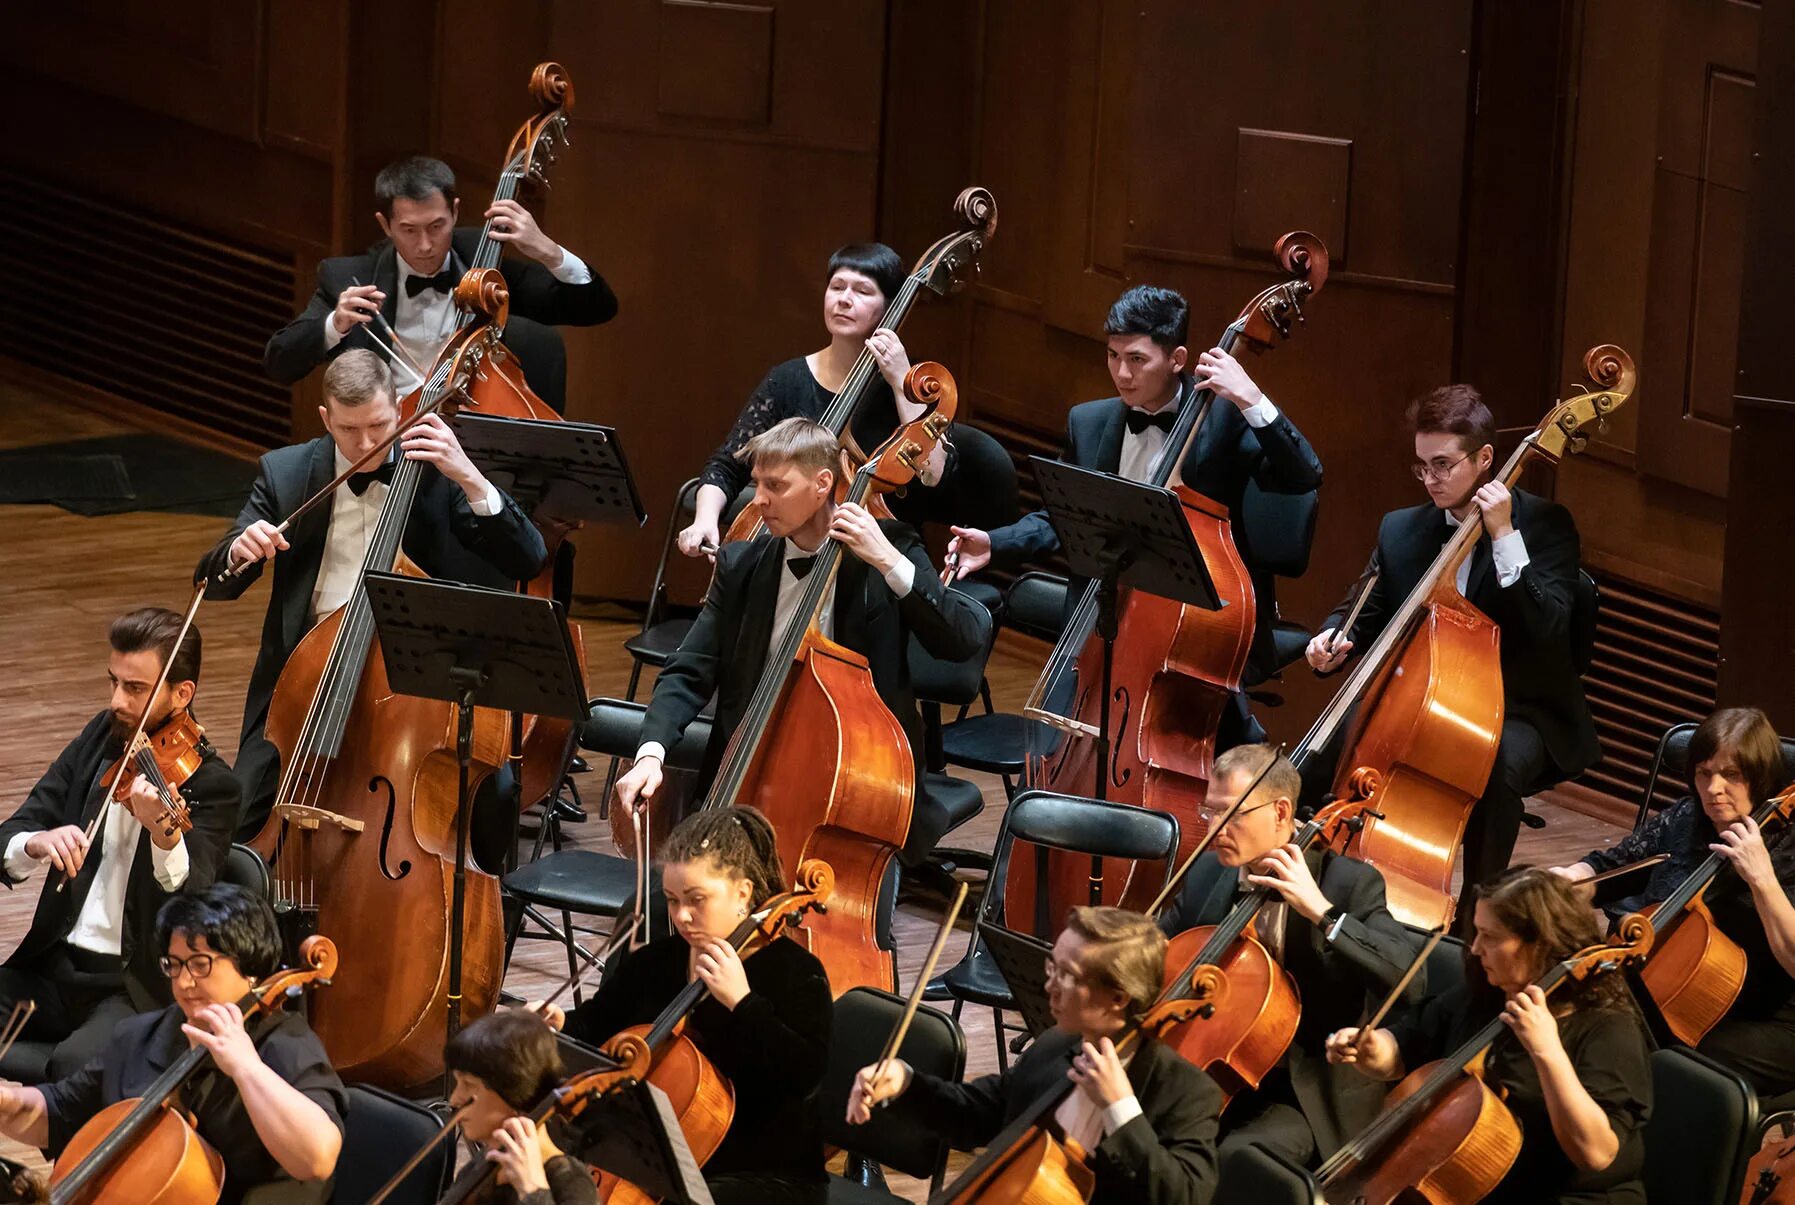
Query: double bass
[(1175, 667), (363, 822), (818, 752), (1429, 690)]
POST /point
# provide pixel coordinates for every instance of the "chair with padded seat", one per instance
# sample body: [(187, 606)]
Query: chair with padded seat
[(1276, 535), (1044, 820), (1672, 757), (864, 1019), (1586, 605), (380, 1133), (1702, 1131), (660, 635), (244, 867), (943, 802)]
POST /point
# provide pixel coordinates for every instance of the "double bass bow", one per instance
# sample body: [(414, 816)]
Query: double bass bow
[(144, 1149), (1175, 667), (817, 750), (1429, 690)]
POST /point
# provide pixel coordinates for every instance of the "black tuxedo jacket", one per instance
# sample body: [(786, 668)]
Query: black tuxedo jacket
[(445, 538), (538, 301), (69, 793), (1337, 981), (1166, 1156), (1539, 679), (726, 649), (1227, 455)]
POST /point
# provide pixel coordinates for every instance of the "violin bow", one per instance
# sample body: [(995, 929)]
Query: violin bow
[(1177, 879), (1383, 1010), (392, 347), (902, 1028), (15, 1024), (1352, 616), (450, 1126), (124, 763), (628, 927), (1618, 871)]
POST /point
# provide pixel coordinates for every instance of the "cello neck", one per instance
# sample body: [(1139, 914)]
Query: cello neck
[(865, 371), (1673, 905)]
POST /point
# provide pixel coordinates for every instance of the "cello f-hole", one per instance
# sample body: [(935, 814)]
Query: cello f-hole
[(1119, 777), (386, 829)]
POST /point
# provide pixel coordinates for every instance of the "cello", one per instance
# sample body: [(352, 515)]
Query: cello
[(363, 822), (1429, 691), (1444, 1136), (818, 752), (1175, 667), (144, 1149)]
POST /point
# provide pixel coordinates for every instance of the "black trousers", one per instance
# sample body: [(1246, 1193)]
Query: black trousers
[(1761, 1051), (1269, 1124), (80, 999)]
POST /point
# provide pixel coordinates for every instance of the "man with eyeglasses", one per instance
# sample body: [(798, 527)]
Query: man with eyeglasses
[(268, 1102), (1523, 577), (1325, 921)]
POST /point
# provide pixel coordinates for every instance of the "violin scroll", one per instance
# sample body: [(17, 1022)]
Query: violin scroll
[(1631, 942), (896, 462), (978, 209), (318, 966), (1275, 312), (550, 86), (1304, 255), (941, 265)]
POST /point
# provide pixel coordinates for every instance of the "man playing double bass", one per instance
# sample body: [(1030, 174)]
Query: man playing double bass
[(1245, 438), (1523, 577), (408, 279)]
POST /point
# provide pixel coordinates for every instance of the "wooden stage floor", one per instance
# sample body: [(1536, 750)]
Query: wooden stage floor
[(66, 577)]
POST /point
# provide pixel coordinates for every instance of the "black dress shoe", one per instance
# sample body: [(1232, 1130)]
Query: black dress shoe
[(577, 765), (569, 812)]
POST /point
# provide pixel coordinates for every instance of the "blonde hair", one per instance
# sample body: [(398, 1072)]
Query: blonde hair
[(357, 377), (1129, 954), (800, 441), (1281, 781)]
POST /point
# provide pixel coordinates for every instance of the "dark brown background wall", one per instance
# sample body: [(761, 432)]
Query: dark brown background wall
[(1501, 186)]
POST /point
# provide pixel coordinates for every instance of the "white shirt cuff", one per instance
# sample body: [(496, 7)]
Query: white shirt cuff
[(572, 270), (1260, 414), (490, 504), (19, 864), (901, 577), (331, 338), (170, 865), (652, 749), (1509, 556), (1120, 1114)]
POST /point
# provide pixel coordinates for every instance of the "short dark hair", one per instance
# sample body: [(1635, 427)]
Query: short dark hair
[(236, 923), (874, 260), (1161, 314), (416, 179), (738, 841), (513, 1052), (1746, 732), (156, 628), (1454, 410)]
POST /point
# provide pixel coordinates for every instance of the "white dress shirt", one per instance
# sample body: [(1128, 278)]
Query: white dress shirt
[(791, 587), (352, 524), (1139, 451), (1508, 556), (1084, 1121), (99, 926)]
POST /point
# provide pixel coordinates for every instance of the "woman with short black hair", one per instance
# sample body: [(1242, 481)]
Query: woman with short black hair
[(504, 1064)]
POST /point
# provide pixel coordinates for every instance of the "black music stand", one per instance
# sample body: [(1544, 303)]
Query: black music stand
[(1119, 532), (633, 1132), (563, 472), (474, 647), (1022, 961)]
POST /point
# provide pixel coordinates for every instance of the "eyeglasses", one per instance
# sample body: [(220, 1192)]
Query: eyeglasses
[(1056, 971), (1437, 468), (197, 965)]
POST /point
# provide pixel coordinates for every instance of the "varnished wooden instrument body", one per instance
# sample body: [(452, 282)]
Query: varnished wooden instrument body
[(384, 892), (170, 1164), (1694, 974), (702, 1100), (1038, 1169), (1240, 1044), (1420, 753), (1455, 1151)]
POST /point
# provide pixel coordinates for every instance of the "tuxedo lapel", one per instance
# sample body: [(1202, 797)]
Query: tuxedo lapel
[(1106, 437), (306, 541), (1224, 884), (760, 597)]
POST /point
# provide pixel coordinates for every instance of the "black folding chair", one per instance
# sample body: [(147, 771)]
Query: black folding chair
[(1702, 1131), (381, 1132)]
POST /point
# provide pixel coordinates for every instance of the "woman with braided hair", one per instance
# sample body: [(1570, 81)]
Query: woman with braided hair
[(765, 1025)]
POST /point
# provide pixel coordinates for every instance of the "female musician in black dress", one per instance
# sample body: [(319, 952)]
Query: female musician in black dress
[(1572, 1067), (503, 1064), (1735, 763), (863, 278), (765, 1025)]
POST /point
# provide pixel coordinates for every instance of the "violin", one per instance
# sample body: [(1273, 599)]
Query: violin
[(1695, 971), (145, 1149), (166, 758), (818, 752), (1444, 1134), (1424, 740), (1769, 1170), (1175, 668), (937, 271)]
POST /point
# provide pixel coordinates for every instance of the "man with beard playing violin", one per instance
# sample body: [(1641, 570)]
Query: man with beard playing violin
[(1325, 922), (89, 960)]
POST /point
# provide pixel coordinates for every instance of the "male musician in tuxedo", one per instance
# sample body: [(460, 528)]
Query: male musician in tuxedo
[(1146, 1120), (1246, 438), (885, 593), (1325, 922), (408, 280), (1523, 576), (462, 527), (89, 960)]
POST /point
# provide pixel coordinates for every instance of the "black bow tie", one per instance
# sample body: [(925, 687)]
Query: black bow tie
[(359, 482), (1140, 420), (801, 566), (442, 282)]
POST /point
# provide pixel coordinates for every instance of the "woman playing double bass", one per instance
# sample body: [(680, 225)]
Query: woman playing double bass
[(503, 1064), (1571, 1068), (1735, 763), (765, 1024), (1147, 1124)]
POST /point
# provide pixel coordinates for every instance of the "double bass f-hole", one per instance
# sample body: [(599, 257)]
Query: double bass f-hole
[(1119, 777), (386, 828)]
